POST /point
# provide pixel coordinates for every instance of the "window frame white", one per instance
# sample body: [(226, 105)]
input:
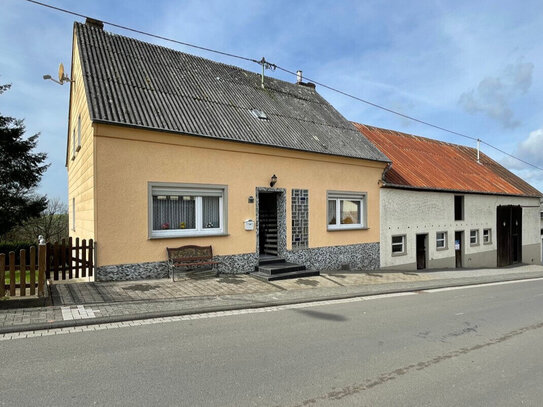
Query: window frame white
[(338, 196), (78, 134), (489, 230), (197, 191), (445, 240), (73, 214), (476, 243), (73, 144), (403, 245)]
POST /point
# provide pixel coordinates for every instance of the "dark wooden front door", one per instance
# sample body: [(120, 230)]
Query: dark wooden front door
[(267, 223), (421, 252), (458, 237), (509, 234)]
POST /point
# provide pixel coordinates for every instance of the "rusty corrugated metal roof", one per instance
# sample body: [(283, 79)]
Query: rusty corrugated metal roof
[(423, 163)]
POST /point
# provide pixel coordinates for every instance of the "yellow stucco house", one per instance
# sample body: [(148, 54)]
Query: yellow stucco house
[(167, 149)]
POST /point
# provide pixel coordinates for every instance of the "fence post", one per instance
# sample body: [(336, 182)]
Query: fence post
[(70, 265), (22, 272), (84, 258), (91, 258), (42, 255), (77, 264), (2, 275), (32, 270), (55, 261), (12, 274), (63, 258), (47, 260)]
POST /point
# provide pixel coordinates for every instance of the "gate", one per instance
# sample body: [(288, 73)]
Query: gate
[(66, 261)]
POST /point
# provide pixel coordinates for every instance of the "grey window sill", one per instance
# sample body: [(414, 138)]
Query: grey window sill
[(346, 229), (188, 236)]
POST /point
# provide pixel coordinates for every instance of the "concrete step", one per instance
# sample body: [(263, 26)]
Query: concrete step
[(284, 276), (270, 259), (278, 268)]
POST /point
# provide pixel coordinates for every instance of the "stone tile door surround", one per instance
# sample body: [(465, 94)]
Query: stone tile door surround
[(281, 196)]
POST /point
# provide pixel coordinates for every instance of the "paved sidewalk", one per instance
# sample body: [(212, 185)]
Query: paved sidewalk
[(78, 304)]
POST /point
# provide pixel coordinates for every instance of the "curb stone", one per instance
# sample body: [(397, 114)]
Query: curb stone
[(353, 292)]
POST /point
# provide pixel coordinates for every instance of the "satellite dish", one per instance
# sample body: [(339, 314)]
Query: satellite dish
[(61, 72)]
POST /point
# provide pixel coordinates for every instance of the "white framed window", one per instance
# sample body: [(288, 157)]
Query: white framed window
[(398, 245), (73, 214), (73, 144), (182, 210), (441, 240), (487, 236), (346, 210), (78, 133), (474, 237)]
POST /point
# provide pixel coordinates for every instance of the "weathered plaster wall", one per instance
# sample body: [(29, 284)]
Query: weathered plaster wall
[(416, 212)]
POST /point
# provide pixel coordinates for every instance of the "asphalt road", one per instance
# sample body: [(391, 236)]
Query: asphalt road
[(467, 347)]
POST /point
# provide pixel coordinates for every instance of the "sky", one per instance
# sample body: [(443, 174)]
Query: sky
[(474, 67)]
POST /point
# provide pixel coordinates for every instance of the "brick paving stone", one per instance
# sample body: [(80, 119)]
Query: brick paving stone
[(136, 298)]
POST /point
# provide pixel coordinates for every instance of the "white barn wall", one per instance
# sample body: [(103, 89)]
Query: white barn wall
[(409, 212)]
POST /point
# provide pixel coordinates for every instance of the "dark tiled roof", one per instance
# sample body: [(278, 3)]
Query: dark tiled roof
[(423, 163), (133, 83)]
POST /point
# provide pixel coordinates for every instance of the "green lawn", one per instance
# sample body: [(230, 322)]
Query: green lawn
[(18, 277)]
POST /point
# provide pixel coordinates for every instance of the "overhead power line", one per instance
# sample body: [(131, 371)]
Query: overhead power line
[(260, 62)]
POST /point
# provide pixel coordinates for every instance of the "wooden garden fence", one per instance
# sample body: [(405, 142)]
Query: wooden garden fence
[(36, 273), (66, 260), (51, 261)]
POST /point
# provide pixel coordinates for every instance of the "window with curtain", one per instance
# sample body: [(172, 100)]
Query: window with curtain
[(346, 210), (186, 211)]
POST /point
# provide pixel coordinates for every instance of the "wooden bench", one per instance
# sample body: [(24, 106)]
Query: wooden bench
[(190, 258)]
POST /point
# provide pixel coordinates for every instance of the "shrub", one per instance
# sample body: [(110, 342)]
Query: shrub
[(6, 247)]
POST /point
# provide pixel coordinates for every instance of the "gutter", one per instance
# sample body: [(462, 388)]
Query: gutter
[(409, 187)]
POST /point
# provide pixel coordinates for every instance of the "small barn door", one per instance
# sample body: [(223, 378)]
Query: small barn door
[(516, 234), (458, 237), (509, 234), (421, 252)]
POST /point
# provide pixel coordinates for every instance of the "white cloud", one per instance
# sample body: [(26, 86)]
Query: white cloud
[(531, 149), (494, 95)]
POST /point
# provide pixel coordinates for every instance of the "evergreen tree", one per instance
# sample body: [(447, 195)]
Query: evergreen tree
[(21, 170)]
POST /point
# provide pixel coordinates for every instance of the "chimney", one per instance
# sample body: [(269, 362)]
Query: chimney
[(298, 76), (94, 23)]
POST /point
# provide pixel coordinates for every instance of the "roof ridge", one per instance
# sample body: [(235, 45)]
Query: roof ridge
[(200, 58)]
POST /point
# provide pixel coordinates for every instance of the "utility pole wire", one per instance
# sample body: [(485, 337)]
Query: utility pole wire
[(260, 62)]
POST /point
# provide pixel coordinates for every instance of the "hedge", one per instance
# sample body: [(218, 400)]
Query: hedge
[(6, 247)]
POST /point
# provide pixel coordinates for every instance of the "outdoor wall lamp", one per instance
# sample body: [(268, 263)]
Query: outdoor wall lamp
[(251, 199), (273, 180)]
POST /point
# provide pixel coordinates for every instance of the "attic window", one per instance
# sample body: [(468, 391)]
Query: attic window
[(259, 114)]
